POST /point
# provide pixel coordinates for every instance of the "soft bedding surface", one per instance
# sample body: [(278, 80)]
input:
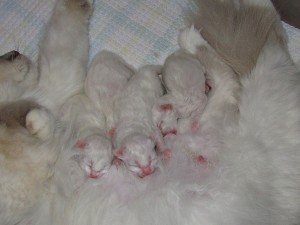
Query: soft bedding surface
[(141, 31)]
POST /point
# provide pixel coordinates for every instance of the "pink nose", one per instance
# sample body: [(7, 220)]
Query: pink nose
[(146, 170)]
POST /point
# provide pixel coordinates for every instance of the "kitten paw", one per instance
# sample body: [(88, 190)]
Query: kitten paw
[(190, 39), (165, 117), (40, 123), (201, 159), (166, 154), (96, 155)]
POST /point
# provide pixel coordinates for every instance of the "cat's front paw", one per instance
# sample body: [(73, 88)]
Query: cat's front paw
[(40, 123), (190, 39), (165, 117), (95, 155)]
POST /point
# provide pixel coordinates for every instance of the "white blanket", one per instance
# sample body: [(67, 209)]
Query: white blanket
[(141, 31)]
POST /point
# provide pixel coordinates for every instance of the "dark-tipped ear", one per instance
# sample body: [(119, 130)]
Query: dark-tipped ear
[(119, 152)]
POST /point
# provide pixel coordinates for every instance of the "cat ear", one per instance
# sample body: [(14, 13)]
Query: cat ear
[(119, 152)]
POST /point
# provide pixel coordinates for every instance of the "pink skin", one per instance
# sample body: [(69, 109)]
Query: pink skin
[(111, 132), (165, 117), (141, 170), (201, 159)]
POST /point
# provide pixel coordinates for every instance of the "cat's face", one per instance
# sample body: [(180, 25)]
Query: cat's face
[(138, 153), (96, 155)]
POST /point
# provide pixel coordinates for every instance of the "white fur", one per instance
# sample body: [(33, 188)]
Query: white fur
[(41, 123), (165, 118), (255, 180), (107, 77), (62, 67), (135, 132), (189, 40), (26, 184), (184, 79), (224, 83), (92, 145)]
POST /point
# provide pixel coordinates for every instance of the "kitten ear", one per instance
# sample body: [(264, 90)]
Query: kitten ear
[(119, 152)]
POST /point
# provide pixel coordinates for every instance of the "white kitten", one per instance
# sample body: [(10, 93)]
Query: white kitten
[(136, 136), (203, 136), (107, 77), (224, 84), (92, 144), (183, 75)]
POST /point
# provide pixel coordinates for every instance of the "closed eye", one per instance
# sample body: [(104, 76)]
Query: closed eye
[(133, 165)]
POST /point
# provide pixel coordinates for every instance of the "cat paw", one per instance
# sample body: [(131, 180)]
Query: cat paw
[(166, 154), (165, 118), (190, 39), (96, 155), (40, 123)]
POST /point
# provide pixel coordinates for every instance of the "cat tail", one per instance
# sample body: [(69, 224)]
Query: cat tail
[(237, 30)]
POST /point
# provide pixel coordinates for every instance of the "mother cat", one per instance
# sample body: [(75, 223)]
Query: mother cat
[(29, 143), (256, 179)]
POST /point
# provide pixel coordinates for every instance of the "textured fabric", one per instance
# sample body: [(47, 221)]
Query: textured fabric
[(141, 31)]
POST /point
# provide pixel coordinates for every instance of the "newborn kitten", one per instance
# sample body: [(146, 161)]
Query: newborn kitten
[(136, 136), (183, 76), (225, 87), (93, 146), (107, 77), (204, 143)]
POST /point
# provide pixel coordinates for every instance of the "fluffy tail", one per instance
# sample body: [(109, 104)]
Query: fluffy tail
[(237, 30)]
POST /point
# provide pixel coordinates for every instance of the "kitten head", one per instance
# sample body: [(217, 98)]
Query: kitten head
[(138, 153), (96, 155), (185, 80)]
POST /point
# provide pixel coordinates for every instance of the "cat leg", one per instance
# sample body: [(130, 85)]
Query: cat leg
[(164, 116), (64, 52)]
